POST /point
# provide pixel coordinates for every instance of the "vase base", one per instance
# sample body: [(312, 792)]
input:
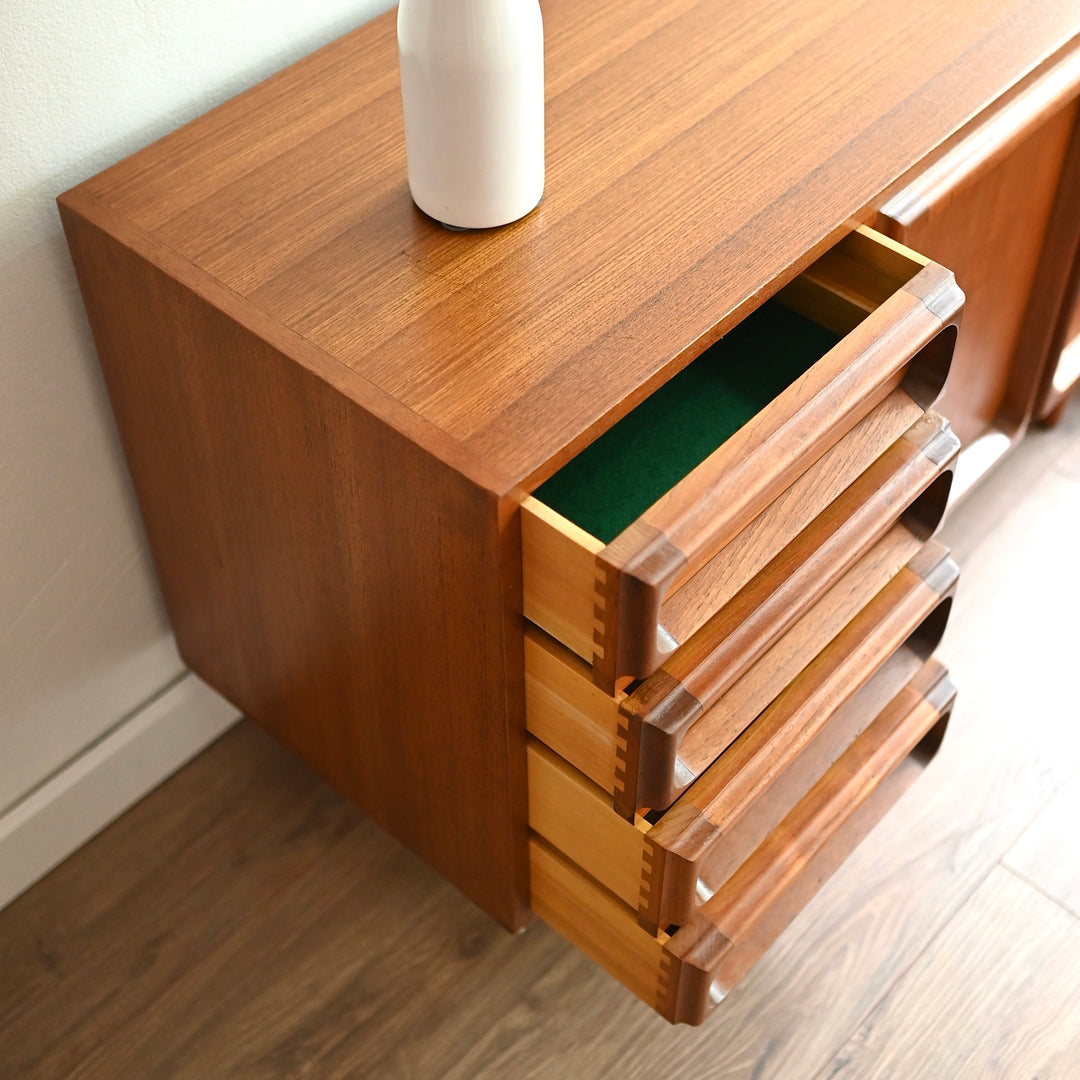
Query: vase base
[(476, 228)]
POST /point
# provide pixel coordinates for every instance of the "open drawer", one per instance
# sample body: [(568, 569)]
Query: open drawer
[(618, 545), (666, 869), (646, 747), (684, 973)]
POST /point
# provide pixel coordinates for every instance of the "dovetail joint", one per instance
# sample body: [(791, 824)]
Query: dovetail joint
[(649, 866), (665, 986), (600, 583), (622, 752)]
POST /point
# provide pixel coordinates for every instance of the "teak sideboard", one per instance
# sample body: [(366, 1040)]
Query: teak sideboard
[(594, 557)]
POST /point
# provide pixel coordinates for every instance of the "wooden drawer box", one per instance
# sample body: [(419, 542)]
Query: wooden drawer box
[(685, 973), (647, 746), (665, 869), (636, 572)]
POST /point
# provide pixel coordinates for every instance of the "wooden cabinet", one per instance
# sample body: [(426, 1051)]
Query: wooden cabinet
[(386, 476)]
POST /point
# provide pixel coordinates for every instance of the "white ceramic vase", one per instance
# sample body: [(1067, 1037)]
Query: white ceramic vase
[(472, 87)]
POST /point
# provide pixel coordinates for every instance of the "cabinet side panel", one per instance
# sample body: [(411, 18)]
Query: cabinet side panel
[(335, 581)]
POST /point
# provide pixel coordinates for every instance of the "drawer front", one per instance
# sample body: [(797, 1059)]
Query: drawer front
[(684, 611), (604, 600), (665, 870), (684, 974), (563, 599), (581, 723), (698, 844), (910, 482), (760, 640)]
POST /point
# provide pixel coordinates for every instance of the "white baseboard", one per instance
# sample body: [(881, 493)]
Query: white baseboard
[(47, 825)]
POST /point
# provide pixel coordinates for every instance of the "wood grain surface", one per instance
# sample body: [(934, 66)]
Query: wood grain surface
[(567, 711), (579, 721), (844, 726), (345, 379), (908, 609), (768, 129), (686, 609), (714, 948), (880, 575), (575, 816), (906, 340), (753, 907), (560, 577)]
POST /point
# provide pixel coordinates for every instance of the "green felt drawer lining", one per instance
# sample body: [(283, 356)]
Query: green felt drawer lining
[(618, 477)]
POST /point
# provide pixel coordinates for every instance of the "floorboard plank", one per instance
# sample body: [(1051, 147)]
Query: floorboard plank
[(996, 995), (118, 924)]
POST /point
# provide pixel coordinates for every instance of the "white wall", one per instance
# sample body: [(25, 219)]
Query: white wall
[(83, 638)]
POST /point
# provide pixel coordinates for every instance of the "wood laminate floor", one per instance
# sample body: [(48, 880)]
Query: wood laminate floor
[(242, 921)]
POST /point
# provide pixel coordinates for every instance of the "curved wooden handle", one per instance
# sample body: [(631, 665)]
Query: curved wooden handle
[(724, 938), (910, 481), (906, 341), (990, 141)]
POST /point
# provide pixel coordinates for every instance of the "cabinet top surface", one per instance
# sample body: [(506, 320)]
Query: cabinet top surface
[(698, 151)]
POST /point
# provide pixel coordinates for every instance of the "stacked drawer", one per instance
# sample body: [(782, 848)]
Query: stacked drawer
[(729, 674)]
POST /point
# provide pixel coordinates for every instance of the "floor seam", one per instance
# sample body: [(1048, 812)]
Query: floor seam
[(1021, 876), (822, 1073)]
